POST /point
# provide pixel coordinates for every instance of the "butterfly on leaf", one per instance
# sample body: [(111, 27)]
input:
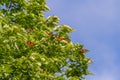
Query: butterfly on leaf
[(30, 43), (84, 50), (59, 38), (30, 30)]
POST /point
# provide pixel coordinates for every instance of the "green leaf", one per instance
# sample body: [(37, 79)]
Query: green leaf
[(33, 47)]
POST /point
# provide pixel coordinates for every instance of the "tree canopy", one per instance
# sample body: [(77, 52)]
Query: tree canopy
[(33, 47)]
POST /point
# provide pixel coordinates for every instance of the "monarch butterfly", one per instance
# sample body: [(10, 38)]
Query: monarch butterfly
[(30, 43), (30, 30), (59, 38), (84, 50)]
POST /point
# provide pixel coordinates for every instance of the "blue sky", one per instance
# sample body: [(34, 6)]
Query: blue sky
[(98, 28)]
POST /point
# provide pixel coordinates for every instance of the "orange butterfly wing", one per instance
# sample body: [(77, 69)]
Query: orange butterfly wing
[(30, 43), (84, 50)]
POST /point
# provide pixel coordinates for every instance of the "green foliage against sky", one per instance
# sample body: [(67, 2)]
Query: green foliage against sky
[(33, 47)]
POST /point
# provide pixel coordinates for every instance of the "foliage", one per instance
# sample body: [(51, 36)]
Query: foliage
[(33, 47)]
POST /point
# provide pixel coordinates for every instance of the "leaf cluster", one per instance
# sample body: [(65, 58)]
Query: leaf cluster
[(33, 47)]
